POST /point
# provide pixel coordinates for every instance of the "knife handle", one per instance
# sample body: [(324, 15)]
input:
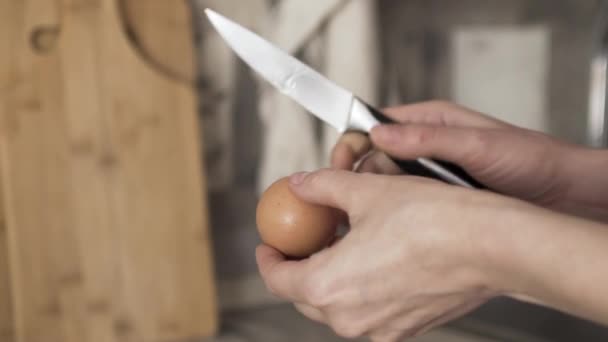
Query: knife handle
[(431, 168)]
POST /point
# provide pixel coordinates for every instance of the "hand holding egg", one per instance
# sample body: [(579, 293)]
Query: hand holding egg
[(294, 227)]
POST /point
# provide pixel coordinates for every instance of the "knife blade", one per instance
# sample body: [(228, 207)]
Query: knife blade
[(323, 98)]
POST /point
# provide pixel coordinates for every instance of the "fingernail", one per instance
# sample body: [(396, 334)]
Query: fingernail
[(298, 178)]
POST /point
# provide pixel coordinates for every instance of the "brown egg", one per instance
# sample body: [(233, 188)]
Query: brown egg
[(291, 225)]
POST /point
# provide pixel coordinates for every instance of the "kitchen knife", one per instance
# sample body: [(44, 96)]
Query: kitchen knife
[(322, 97)]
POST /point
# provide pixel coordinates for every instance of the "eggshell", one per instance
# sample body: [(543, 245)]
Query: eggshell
[(291, 225)]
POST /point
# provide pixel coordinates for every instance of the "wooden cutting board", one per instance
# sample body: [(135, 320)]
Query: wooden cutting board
[(6, 305), (103, 185)]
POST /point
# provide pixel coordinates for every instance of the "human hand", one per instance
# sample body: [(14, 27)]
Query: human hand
[(414, 257), (508, 159)]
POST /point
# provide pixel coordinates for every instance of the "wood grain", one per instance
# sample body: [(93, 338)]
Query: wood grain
[(6, 305), (153, 25), (22, 100), (101, 166), (157, 30)]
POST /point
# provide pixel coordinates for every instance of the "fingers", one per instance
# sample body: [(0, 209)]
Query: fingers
[(334, 188), (441, 113), (349, 149), (282, 277), (353, 146), (455, 144)]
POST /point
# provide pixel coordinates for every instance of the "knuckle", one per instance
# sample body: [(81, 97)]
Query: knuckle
[(316, 293)]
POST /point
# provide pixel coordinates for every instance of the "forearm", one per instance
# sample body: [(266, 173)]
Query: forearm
[(555, 260)]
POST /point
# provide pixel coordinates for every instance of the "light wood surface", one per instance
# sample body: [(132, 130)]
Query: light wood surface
[(106, 217), (157, 28), (6, 308), (6, 304)]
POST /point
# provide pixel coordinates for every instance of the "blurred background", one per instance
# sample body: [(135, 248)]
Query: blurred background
[(535, 63), (134, 146)]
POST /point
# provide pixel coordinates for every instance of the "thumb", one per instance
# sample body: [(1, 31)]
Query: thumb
[(333, 188), (460, 145)]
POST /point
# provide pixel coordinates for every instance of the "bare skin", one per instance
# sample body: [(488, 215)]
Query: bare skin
[(421, 253), (511, 160)]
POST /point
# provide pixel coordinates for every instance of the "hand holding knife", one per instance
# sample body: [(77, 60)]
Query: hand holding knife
[(323, 98)]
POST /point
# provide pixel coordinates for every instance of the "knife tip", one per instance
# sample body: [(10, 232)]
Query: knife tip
[(211, 13), (213, 16)]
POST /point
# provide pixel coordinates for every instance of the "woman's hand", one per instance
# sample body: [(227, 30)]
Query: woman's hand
[(414, 257), (511, 160)]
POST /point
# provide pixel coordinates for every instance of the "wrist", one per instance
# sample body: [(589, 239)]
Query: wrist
[(530, 253), (554, 260), (502, 245), (487, 257), (537, 255)]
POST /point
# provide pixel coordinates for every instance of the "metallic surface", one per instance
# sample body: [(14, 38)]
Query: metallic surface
[(598, 89), (310, 89), (323, 98)]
